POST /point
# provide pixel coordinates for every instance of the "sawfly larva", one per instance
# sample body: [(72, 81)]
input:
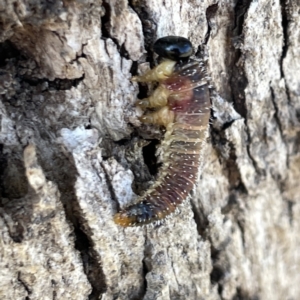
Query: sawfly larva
[(182, 105)]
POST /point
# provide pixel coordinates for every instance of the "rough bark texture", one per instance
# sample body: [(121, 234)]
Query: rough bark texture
[(72, 152)]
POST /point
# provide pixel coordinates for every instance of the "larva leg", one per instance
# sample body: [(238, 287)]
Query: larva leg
[(159, 98), (159, 73), (163, 116)]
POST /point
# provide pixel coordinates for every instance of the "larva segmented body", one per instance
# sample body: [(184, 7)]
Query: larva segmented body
[(184, 109)]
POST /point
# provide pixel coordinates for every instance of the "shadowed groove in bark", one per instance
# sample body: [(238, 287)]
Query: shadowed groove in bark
[(90, 259), (237, 188), (276, 112), (149, 32), (210, 13), (241, 226), (17, 232), (91, 266), (284, 24), (24, 285), (200, 219), (238, 80), (242, 295), (147, 267), (285, 15), (148, 24), (8, 50), (105, 30), (3, 164), (57, 84), (220, 142), (219, 271), (259, 172), (145, 271), (143, 88), (110, 187), (277, 118), (290, 205), (217, 275), (13, 182), (105, 21), (150, 158)]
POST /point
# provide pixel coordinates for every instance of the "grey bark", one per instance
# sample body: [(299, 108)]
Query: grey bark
[(71, 152)]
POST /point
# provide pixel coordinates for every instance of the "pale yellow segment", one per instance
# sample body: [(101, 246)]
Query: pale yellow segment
[(163, 116), (161, 72), (159, 97)]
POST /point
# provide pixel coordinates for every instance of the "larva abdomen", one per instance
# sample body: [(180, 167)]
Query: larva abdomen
[(188, 104)]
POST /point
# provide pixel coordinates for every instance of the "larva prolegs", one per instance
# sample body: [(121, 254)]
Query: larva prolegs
[(159, 73), (163, 116)]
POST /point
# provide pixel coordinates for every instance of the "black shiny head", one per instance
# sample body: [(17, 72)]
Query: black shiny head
[(173, 47)]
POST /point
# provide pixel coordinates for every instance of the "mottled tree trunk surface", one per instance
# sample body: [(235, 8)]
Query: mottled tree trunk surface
[(73, 152)]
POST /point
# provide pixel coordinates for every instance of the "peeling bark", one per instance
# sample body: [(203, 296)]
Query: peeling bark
[(73, 152)]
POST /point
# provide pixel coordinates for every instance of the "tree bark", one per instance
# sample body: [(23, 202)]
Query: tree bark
[(73, 152)]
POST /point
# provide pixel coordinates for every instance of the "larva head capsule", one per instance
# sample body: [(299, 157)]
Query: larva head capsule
[(173, 47)]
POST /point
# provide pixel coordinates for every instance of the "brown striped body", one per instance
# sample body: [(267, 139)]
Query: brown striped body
[(188, 106)]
